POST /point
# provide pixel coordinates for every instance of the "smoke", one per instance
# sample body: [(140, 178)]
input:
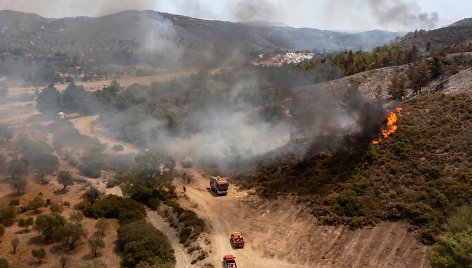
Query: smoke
[(237, 118), (402, 12), (258, 10), (225, 124)]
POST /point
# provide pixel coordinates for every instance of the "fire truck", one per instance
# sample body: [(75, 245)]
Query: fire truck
[(229, 261), (219, 185), (237, 239)]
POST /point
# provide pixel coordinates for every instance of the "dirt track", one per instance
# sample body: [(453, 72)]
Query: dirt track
[(278, 234)]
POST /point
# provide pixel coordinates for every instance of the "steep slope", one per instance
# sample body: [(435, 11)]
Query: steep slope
[(456, 34)]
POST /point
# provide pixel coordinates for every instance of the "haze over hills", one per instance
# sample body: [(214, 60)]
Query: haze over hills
[(133, 35), (458, 33)]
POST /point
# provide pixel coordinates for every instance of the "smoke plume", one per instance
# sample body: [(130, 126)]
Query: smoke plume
[(403, 12), (259, 10)]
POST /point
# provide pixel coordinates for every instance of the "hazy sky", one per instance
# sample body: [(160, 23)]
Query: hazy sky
[(394, 15)]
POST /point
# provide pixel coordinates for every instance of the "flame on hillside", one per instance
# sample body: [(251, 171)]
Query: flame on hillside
[(286, 110), (390, 120), (282, 104)]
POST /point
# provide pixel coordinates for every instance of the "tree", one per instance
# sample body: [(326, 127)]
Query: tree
[(418, 74), (16, 168), (141, 242), (77, 99), (96, 243), (4, 263), (56, 207), (49, 101), (26, 223), (396, 88), (37, 203), (91, 195), (428, 46), (65, 178), (39, 254), (45, 164), (18, 184), (7, 215), (453, 248), (14, 243), (48, 225), (76, 216), (69, 233), (93, 160), (152, 164), (101, 226)]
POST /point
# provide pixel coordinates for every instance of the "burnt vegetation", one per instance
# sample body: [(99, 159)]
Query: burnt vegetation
[(421, 173)]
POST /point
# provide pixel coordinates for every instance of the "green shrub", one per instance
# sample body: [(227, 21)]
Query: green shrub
[(123, 209), (402, 149), (371, 153), (184, 235), (140, 242), (453, 248), (117, 147), (7, 215), (4, 263), (14, 202)]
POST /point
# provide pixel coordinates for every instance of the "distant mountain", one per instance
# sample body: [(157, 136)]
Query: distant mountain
[(134, 36)]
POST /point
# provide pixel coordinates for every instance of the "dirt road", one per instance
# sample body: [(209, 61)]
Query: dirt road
[(222, 216), (280, 234), (183, 259), (84, 126)]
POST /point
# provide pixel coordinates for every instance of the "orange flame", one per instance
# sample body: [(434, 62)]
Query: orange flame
[(285, 108), (391, 119)]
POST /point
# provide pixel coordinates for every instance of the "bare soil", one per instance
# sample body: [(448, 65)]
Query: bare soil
[(281, 234), (278, 233), (14, 112)]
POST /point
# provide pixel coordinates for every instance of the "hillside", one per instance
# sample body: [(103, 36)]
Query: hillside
[(463, 22), (451, 36), (132, 36)]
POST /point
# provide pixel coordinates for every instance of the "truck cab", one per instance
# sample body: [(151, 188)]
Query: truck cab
[(229, 261), (219, 185), (237, 239)]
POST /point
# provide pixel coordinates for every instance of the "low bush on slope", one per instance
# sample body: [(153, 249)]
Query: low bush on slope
[(421, 173)]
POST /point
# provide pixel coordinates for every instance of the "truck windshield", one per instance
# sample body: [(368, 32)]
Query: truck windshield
[(222, 186)]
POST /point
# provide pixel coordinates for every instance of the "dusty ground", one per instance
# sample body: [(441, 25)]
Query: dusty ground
[(280, 234), (31, 240), (85, 125), (14, 112)]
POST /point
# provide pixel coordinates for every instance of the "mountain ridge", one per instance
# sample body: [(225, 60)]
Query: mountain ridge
[(133, 35)]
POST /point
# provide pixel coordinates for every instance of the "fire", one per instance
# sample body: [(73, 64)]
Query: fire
[(391, 119), (282, 104), (285, 108)]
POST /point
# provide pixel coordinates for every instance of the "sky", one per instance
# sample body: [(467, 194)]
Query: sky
[(346, 15)]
